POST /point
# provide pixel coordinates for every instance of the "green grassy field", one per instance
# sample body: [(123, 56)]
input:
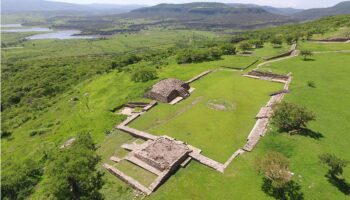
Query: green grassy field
[(328, 100), (201, 121), (341, 32), (269, 50), (117, 44), (64, 118), (313, 46), (105, 92)]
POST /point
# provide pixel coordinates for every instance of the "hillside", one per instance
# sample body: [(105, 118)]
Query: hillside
[(209, 15), (270, 9), (316, 13), (55, 90), (16, 6)]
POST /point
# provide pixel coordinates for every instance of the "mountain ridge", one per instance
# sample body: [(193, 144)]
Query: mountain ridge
[(317, 13), (16, 6), (209, 15)]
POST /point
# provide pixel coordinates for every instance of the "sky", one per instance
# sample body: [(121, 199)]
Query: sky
[(276, 3)]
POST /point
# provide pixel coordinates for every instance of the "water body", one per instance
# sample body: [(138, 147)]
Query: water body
[(24, 30), (54, 34), (11, 25), (62, 35)]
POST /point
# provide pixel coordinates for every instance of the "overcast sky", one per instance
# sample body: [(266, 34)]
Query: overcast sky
[(276, 3)]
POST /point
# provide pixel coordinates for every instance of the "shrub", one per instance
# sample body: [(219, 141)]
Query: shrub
[(290, 39), (143, 75), (245, 46), (257, 43), (274, 166), (198, 55), (72, 173), (277, 41), (290, 117), (306, 53), (5, 134), (39, 131), (311, 84), (228, 49), (334, 163), (19, 180), (15, 98)]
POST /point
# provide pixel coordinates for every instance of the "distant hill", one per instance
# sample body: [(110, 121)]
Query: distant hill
[(282, 11), (316, 13), (270, 9), (14, 6), (209, 15)]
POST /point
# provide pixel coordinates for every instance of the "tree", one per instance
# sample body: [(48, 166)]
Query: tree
[(143, 75), (306, 53), (334, 163), (72, 172), (215, 53), (277, 41), (291, 190), (5, 133), (291, 117), (290, 39), (245, 46), (275, 167), (257, 43), (228, 49), (18, 180), (117, 66), (198, 55), (114, 65)]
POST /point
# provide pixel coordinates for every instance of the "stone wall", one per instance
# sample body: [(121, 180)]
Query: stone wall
[(267, 75), (289, 53), (127, 179), (198, 76), (162, 178), (338, 39), (243, 68)]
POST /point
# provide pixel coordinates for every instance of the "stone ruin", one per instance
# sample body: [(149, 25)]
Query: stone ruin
[(162, 157), (168, 89), (163, 153), (268, 75)]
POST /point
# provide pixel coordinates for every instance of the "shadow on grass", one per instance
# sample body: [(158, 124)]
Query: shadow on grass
[(291, 191), (308, 59), (340, 183), (310, 133)]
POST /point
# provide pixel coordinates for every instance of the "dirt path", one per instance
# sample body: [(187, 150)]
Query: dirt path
[(338, 51), (7, 48), (294, 54), (329, 42)]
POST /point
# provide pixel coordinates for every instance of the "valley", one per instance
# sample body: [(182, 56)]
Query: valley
[(54, 89)]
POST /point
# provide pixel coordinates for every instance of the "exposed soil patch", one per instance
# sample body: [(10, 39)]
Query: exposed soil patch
[(221, 105)]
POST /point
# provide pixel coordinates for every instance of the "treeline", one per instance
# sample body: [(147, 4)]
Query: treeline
[(211, 52), (295, 32)]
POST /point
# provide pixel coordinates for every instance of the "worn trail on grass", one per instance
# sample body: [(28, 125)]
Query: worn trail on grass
[(338, 51), (176, 114), (279, 59)]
